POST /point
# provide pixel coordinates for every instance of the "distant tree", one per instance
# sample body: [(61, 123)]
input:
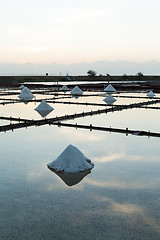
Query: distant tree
[(124, 76), (107, 75), (139, 74), (91, 73)]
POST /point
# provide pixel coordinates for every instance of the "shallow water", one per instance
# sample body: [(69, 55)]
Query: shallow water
[(119, 199)]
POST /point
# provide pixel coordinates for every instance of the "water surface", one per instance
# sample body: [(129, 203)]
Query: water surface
[(119, 199)]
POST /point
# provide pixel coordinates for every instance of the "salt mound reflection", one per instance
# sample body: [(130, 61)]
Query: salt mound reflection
[(70, 178)]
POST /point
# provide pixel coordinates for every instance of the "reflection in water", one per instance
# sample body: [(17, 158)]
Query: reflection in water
[(76, 96), (25, 102), (71, 179), (109, 100), (44, 113)]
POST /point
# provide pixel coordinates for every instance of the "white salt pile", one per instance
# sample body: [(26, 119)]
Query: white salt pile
[(21, 87), (26, 94), (109, 100), (150, 94), (110, 89), (71, 160), (44, 108), (64, 88), (76, 91)]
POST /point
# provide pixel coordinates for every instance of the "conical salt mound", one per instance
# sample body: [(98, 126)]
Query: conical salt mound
[(64, 88), (76, 91), (110, 89), (21, 87), (26, 94), (109, 100), (71, 160), (44, 108), (150, 94)]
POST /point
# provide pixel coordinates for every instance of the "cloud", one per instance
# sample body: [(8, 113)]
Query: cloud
[(126, 208), (82, 136), (124, 157), (122, 208), (131, 210), (137, 184), (34, 174), (109, 158)]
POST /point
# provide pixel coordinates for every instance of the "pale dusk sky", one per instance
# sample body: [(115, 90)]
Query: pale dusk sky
[(75, 31)]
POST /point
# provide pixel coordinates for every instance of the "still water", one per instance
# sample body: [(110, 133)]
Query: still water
[(119, 199)]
